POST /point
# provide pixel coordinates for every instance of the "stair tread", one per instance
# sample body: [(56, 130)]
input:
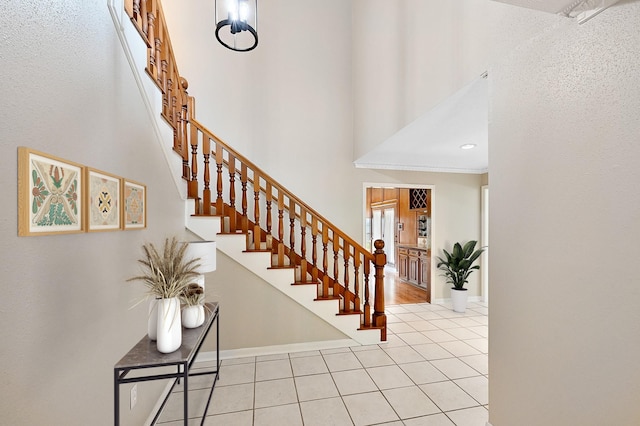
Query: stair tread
[(358, 312), (306, 283)]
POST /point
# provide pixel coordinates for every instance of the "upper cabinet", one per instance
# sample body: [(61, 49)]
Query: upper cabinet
[(419, 199)]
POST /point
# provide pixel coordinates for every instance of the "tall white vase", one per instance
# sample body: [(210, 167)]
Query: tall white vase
[(459, 300), (152, 321), (169, 325)]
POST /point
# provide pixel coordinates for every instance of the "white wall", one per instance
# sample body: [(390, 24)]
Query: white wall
[(287, 104), (65, 306), (408, 56), (290, 105), (455, 215), (254, 314), (565, 220)]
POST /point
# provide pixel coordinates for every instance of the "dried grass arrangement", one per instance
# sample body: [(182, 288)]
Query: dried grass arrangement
[(193, 295), (167, 274)]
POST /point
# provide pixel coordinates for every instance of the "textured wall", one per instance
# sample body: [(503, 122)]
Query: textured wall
[(65, 306), (565, 220)]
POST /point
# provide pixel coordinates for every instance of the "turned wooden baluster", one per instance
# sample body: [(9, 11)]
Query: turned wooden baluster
[(356, 279), (257, 233), (219, 178), (182, 144), (292, 230), (193, 183), (232, 192), (150, 31), (206, 191), (268, 200), (348, 299), (379, 317), (367, 307), (162, 58), (303, 244), (280, 227), (336, 249), (325, 260), (314, 249), (166, 84), (244, 179)]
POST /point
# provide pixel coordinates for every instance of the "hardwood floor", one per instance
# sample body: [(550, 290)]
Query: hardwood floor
[(397, 292)]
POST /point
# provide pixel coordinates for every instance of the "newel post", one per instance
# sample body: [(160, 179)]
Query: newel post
[(379, 317)]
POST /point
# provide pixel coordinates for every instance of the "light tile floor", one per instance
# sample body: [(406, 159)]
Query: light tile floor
[(432, 371)]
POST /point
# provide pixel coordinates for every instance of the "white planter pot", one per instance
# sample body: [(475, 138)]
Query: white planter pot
[(169, 325), (152, 320), (459, 300), (193, 316)]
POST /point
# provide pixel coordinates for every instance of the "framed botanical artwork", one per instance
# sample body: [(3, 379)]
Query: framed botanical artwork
[(49, 194), (103, 200), (134, 206)]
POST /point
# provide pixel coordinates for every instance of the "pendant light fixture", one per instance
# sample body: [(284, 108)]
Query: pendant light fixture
[(237, 24)]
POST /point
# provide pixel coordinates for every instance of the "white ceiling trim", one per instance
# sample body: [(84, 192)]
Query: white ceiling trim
[(421, 168)]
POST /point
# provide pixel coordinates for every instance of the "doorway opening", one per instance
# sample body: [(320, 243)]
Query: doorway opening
[(401, 217)]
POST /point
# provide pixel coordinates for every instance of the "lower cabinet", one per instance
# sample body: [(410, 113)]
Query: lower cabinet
[(403, 263), (414, 266)]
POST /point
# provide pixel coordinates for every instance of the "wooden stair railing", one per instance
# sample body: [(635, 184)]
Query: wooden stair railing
[(300, 237)]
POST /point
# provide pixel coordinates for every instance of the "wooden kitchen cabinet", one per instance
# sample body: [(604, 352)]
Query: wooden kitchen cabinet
[(403, 263), (414, 266), (425, 269)]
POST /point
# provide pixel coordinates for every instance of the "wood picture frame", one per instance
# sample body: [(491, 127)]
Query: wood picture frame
[(134, 205), (49, 194), (103, 200)]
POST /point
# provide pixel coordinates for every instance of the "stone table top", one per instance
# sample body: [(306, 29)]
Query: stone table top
[(145, 353)]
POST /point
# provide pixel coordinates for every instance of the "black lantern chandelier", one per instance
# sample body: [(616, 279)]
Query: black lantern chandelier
[(237, 24)]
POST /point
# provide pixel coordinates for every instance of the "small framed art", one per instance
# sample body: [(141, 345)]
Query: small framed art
[(103, 199), (134, 206), (49, 194)]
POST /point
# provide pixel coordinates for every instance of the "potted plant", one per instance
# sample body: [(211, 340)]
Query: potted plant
[(457, 267), (193, 312), (166, 274)]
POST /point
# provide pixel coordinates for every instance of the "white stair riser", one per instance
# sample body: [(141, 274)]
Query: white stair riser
[(234, 246)]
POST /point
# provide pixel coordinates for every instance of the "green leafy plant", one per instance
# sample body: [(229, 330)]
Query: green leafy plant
[(167, 274), (458, 264)]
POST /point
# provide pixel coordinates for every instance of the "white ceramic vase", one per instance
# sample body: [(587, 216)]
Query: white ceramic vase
[(169, 325), (152, 320), (459, 300), (193, 316)]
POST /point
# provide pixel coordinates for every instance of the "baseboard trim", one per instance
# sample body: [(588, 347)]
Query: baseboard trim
[(277, 349), (448, 300), (488, 424)]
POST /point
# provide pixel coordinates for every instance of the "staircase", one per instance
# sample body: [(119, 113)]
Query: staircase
[(253, 218)]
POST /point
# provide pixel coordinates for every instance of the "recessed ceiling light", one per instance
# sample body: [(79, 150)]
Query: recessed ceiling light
[(468, 146)]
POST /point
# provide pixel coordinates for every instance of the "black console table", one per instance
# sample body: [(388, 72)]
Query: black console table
[(145, 355)]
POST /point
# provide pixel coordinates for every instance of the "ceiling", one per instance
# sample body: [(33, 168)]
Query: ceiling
[(432, 142)]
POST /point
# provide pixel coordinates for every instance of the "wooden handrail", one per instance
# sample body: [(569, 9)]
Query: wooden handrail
[(321, 252), (268, 178)]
